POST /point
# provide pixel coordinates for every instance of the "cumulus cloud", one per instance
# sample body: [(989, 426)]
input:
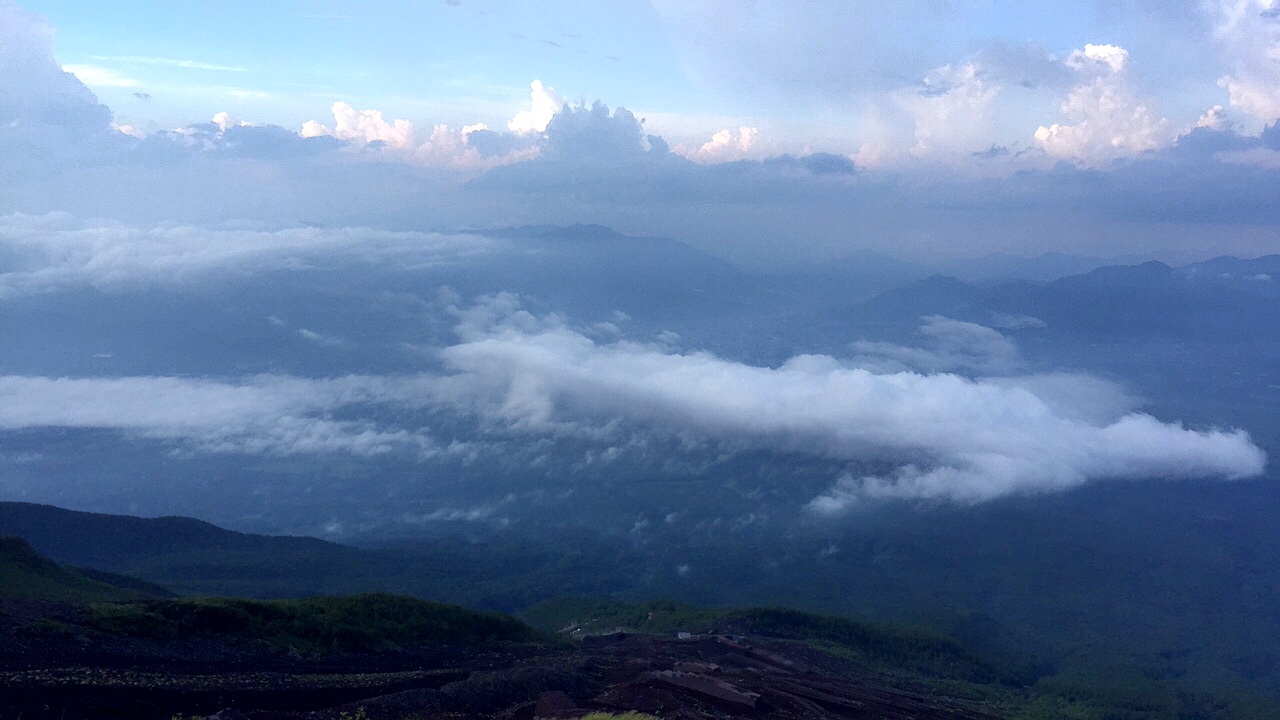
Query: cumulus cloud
[(1248, 32), (545, 103), (952, 109), (445, 146), (364, 126), (53, 252), (35, 92), (1108, 119), (725, 146), (581, 132), (955, 438), (456, 149)]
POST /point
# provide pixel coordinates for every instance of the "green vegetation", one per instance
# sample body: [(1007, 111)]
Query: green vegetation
[(591, 616), (1021, 692), (358, 623), (876, 645), (26, 574), (881, 646), (1096, 634)]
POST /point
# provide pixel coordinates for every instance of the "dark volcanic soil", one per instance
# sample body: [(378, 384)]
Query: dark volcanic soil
[(58, 674)]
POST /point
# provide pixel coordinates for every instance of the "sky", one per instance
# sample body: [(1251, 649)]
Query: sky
[(843, 74), (178, 147), (763, 131)]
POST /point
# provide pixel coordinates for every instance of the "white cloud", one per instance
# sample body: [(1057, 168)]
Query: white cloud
[(267, 414), (243, 93), (452, 148), (956, 438), (169, 62), (1248, 32), (53, 252), (1108, 119), (445, 147), (130, 130), (952, 112), (225, 122), (545, 103), (726, 146), (1213, 119), (95, 76), (34, 89), (951, 437), (949, 345), (363, 126)]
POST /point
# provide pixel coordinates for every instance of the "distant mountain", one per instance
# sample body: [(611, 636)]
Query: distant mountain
[(193, 557), (856, 275), (28, 575), (934, 295), (1151, 299), (1258, 276), (586, 269), (1041, 268), (1221, 300), (1228, 267)]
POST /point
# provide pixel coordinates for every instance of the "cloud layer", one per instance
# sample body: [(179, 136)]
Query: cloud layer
[(268, 414), (956, 438), (53, 252), (950, 437)]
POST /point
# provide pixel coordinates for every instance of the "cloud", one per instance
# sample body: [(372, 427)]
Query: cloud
[(266, 414), (1248, 33), (55, 252), (364, 126), (951, 110), (725, 146), (1108, 119), (1024, 65), (445, 147), (592, 164), (35, 92), (593, 133), (93, 75), (954, 438), (545, 104), (951, 437), (454, 148), (169, 62), (950, 345)]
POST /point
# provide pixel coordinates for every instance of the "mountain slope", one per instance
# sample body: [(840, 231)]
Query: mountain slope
[(26, 574), (193, 557)]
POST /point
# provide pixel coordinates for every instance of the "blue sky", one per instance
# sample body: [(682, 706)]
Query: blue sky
[(823, 72), (753, 129), (431, 62)]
